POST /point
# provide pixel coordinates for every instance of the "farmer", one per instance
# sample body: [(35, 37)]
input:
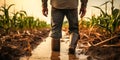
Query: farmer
[(61, 8)]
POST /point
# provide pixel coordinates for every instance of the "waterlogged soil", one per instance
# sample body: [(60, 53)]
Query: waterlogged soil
[(36, 45), (103, 53), (15, 45), (44, 52)]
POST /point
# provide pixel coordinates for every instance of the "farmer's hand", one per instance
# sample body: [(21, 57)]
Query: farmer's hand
[(82, 12), (45, 11)]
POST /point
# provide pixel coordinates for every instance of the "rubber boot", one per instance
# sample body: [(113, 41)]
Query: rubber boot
[(55, 44), (74, 39)]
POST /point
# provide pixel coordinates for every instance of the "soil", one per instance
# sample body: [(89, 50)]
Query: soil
[(103, 53), (15, 45), (109, 50)]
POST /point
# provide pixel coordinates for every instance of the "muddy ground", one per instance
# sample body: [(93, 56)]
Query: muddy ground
[(15, 45), (103, 53), (108, 50)]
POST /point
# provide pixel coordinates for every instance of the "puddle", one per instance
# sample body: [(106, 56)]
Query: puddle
[(43, 51)]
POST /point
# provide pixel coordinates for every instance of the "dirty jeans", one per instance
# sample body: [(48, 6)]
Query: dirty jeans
[(57, 17)]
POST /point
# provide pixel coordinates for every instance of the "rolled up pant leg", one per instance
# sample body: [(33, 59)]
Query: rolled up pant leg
[(72, 16), (56, 23)]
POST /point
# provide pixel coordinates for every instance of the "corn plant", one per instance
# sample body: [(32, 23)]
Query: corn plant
[(19, 20), (93, 21), (1, 21), (116, 17), (109, 22), (5, 18), (42, 24), (84, 24)]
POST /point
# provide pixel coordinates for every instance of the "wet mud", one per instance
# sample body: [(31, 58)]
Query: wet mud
[(14, 45), (37, 46), (103, 53)]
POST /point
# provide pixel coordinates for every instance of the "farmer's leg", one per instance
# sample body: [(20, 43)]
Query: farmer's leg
[(56, 24), (72, 16)]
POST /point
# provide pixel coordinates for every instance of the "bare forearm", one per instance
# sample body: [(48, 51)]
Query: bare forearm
[(44, 3), (84, 3)]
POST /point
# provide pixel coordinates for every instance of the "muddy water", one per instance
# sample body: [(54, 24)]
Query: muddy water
[(43, 51)]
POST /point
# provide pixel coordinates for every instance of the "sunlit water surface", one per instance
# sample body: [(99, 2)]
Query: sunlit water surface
[(43, 51)]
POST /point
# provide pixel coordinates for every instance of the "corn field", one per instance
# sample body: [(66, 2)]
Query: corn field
[(20, 34), (105, 22), (18, 20)]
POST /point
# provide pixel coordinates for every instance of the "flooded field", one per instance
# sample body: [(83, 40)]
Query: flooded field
[(43, 51)]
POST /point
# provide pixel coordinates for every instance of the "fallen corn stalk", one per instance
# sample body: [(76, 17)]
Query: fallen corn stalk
[(116, 36)]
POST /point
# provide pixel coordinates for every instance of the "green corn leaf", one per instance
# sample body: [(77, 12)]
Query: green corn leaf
[(100, 10), (24, 12), (116, 13), (105, 3), (10, 6)]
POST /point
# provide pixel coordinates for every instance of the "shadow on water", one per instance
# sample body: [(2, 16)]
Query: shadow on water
[(43, 51)]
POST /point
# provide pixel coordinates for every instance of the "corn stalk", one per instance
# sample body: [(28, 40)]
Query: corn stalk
[(5, 17), (109, 22), (19, 20)]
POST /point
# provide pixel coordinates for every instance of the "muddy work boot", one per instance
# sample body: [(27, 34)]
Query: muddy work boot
[(55, 44), (74, 39)]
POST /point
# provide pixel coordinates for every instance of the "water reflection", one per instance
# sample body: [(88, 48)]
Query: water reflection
[(72, 57), (58, 56), (55, 55), (43, 51)]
